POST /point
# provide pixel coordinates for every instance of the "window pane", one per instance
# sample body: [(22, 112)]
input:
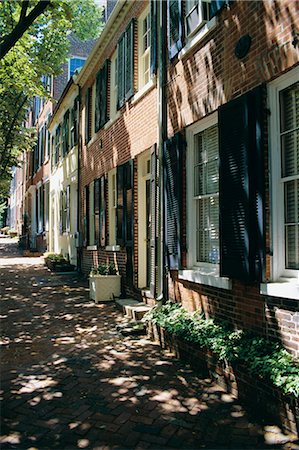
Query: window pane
[(291, 212), (290, 153), (75, 63), (207, 230), (206, 177), (289, 108), (292, 246)]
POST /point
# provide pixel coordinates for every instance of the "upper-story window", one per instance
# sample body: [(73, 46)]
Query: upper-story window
[(113, 85), (75, 63), (101, 97), (144, 37), (188, 17), (125, 65), (197, 12)]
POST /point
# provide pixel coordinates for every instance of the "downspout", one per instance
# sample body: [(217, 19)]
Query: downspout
[(162, 293), (79, 247)]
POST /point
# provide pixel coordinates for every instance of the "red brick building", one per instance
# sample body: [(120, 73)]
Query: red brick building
[(230, 244)]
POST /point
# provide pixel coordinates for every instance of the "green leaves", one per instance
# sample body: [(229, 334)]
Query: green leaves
[(40, 50), (263, 358)]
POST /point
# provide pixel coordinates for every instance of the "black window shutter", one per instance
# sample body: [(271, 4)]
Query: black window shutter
[(154, 216), (87, 115), (103, 94), (102, 212), (173, 172), (86, 216), (128, 202), (175, 27), (154, 31), (241, 187), (120, 206), (98, 101), (120, 72), (129, 61), (96, 209), (76, 120)]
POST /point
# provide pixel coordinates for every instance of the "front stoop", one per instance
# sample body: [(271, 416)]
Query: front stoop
[(133, 311)]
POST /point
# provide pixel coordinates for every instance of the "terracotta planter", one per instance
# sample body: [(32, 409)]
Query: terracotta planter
[(103, 288)]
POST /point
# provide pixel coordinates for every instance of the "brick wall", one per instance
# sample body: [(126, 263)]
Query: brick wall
[(208, 76), (133, 132)]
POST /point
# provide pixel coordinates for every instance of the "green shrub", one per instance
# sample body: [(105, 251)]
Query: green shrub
[(264, 358), (104, 269)]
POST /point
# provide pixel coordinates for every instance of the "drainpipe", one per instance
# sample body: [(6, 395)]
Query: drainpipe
[(162, 120), (79, 240)]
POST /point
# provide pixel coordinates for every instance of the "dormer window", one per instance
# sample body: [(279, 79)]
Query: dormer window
[(75, 64)]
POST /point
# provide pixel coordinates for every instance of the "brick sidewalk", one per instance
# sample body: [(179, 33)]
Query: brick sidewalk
[(70, 380)]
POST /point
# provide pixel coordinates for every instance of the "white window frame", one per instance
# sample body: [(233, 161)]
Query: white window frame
[(69, 63), (91, 216), (280, 276), (113, 86), (142, 55), (202, 273), (201, 21)]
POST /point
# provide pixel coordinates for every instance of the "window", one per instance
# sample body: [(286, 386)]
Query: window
[(125, 69), (144, 36), (99, 211), (91, 237), (113, 86), (74, 123), (101, 103), (75, 63), (88, 110), (65, 133), (57, 145), (46, 206), (284, 105), (197, 12), (184, 24), (124, 211), (40, 208), (112, 202), (204, 195)]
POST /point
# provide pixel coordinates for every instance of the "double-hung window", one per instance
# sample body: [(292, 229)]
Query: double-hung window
[(144, 36), (284, 148), (113, 85), (197, 13), (204, 194)]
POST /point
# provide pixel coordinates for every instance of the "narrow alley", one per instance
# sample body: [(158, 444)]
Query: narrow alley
[(70, 380)]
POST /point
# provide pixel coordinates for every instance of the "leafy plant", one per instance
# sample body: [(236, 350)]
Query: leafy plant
[(56, 258), (264, 358), (104, 269)]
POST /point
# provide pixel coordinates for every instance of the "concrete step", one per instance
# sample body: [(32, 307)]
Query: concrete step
[(132, 309)]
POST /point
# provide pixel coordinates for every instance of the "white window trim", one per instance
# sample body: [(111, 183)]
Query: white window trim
[(202, 273), (284, 282), (141, 54), (198, 36), (113, 89)]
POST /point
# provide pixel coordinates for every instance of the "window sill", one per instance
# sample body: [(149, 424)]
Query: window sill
[(209, 277), (143, 91), (285, 288), (112, 120), (91, 247), (194, 40), (112, 248)]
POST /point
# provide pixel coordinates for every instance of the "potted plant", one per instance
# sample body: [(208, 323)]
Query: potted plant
[(56, 262), (104, 283)]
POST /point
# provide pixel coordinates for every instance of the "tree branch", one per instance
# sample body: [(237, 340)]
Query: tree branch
[(25, 4), (5, 161), (10, 40)]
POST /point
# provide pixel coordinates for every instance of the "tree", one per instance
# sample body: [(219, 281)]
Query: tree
[(34, 42)]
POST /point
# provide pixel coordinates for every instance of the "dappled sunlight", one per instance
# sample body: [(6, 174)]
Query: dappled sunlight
[(70, 379)]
